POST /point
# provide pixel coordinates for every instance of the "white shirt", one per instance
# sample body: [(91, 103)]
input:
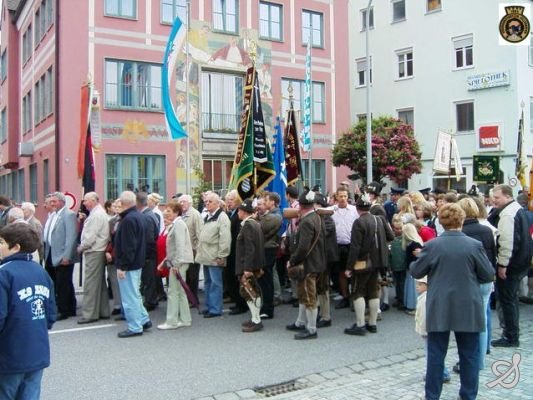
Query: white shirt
[(344, 219)]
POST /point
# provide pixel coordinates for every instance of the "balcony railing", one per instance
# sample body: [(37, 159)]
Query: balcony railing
[(221, 123)]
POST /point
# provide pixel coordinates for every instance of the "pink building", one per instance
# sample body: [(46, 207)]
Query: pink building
[(49, 48)]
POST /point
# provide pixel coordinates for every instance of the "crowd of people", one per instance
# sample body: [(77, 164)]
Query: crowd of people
[(351, 247)]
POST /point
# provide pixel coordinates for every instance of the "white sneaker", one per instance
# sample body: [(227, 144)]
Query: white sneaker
[(166, 326), (183, 324)]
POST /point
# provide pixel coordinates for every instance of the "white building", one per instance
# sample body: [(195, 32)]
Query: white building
[(426, 58)]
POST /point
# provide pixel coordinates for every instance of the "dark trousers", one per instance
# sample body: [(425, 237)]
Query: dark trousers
[(468, 348), (337, 273), (399, 283), (64, 288), (507, 295), (266, 282), (192, 278), (233, 284), (148, 283)]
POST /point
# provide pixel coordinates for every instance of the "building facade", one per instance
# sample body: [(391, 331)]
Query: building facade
[(50, 48), (438, 65)]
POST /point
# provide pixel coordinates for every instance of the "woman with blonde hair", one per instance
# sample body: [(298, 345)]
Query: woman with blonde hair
[(417, 198), (411, 243), (405, 209)]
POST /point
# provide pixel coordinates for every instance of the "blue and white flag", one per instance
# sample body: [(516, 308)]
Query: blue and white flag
[(306, 133), (174, 45), (279, 183)]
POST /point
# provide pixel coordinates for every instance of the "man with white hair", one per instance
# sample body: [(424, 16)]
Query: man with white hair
[(213, 248), (15, 214), (194, 223), (94, 239), (60, 235), (130, 254), (29, 215)]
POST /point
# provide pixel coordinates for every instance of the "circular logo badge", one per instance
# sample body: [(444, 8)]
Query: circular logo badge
[(514, 26)]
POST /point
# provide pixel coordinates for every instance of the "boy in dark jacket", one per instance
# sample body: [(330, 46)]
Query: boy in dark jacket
[(27, 311)]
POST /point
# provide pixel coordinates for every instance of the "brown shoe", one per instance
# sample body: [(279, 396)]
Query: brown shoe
[(253, 328), (247, 323)]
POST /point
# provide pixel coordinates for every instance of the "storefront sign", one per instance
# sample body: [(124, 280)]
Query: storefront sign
[(489, 80), (489, 138)]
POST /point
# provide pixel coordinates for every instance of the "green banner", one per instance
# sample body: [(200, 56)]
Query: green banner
[(486, 168)]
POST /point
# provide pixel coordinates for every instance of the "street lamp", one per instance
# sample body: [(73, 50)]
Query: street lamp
[(368, 113)]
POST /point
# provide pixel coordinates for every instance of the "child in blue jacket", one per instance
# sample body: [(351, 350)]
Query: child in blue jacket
[(27, 311)]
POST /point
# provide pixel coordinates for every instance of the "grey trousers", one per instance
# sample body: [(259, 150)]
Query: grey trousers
[(95, 298)]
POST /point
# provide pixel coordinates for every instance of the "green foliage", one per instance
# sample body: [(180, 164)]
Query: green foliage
[(395, 151), (202, 186)]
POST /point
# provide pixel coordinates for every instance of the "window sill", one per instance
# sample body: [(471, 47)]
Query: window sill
[(437, 10), (463, 68), (364, 29), (271, 39), (134, 109), (470, 132), (362, 86), (405, 78), (225, 32), (398, 21), (121, 17)]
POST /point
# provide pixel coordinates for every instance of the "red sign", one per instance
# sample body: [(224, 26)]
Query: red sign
[(489, 137)]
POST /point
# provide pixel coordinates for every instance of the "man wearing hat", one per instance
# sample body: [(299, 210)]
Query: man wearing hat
[(308, 247), (249, 260), (390, 205), (370, 234), (425, 193)]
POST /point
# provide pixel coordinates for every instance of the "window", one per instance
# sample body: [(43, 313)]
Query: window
[(531, 114), (37, 31), (37, 106), (49, 9), (26, 44), (312, 26), (49, 93), (465, 116), (531, 50), (26, 113), (42, 20), (407, 116), (20, 192), (433, 5), (46, 178), (132, 85), (463, 47), (170, 9), (270, 20), (363, 18), (135, 173), (441, 181), (405, 63), (221, 102), (361, 71), (398, 10), (3, 65), (218, 172), (225, 16), (319, 173), (3, 126), (318, 113), (121, 8), (33, 183)]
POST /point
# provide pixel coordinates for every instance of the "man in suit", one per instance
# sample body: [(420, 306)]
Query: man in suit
[(249, 259), (5, 206), (94, 240), (149, 276), (60, 234)]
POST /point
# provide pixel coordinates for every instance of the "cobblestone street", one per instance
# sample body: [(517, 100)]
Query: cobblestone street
[(401, 377)]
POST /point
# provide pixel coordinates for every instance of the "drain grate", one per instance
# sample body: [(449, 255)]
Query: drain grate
[(280, 388)]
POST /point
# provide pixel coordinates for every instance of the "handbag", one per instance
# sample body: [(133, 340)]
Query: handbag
[(363, 265), (297, 271)]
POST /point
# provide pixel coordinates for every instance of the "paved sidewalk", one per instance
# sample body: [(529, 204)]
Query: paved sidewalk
[(400, 377)]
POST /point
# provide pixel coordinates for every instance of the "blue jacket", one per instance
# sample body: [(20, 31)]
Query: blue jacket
[(27, 311)]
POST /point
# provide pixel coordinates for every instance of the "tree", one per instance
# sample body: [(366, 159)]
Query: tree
[(395, 151)]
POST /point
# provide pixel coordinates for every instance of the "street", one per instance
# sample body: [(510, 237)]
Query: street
[(213, 358)]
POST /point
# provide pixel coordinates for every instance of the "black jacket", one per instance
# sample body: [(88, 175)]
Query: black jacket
[(130, 248), (473, 229)]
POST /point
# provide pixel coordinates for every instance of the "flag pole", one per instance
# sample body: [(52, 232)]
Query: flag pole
[(310, 88), (187, 111)]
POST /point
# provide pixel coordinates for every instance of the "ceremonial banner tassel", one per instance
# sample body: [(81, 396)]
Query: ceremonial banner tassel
[(174, 45), (293, 160), (85, 150)]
